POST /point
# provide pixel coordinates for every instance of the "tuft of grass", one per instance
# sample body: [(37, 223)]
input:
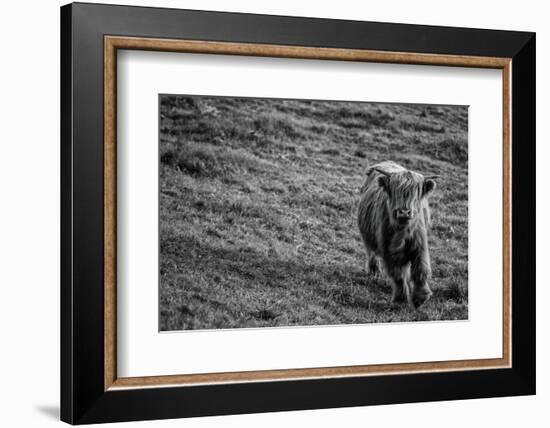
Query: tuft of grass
[(331, 152), (455, 291), (258, 203)]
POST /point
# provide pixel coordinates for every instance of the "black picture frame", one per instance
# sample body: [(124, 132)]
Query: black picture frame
[(83, 398)]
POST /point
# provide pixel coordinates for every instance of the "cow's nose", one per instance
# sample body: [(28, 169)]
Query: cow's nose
[(403, 212)]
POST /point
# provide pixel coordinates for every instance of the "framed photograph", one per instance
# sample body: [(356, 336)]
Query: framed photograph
[(265, 213)]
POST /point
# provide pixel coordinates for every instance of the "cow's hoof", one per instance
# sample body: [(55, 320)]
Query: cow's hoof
[(398, 298), (374, 275), (421, 297), (374, 272)]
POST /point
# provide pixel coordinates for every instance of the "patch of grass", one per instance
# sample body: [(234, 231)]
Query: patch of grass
[(258, 204), (210, 161)]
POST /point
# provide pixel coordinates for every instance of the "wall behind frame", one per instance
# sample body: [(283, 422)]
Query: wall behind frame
[(29, 220)]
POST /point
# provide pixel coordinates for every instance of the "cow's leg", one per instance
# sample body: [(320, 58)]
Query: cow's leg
[(420, 272), (400, 289), (407, 286), (373, 267)]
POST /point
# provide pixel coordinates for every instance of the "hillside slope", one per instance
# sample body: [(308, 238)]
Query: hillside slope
[(258, 204)]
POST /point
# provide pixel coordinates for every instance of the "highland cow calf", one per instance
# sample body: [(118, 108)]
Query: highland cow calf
[(394, 218)]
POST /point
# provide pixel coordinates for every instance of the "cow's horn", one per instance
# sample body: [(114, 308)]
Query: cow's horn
[(382, 171)]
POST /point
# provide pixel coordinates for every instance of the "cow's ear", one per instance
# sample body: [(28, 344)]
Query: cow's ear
[(383, 182), (428, 186)]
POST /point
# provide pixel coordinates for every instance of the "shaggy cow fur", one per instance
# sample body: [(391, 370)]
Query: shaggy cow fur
[(394, 218)]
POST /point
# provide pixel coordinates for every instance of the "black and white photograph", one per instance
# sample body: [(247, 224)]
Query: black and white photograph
[(285, 212), (268, 214)]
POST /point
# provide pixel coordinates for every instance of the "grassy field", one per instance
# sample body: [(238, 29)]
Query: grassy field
[(258, 203)]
